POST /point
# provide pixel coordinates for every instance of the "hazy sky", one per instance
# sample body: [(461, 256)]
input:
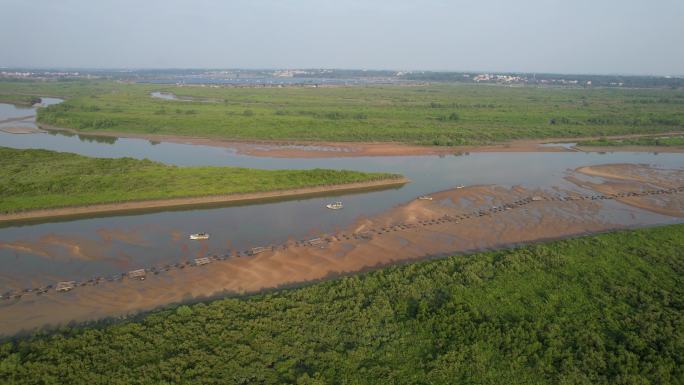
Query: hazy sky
[(568, 36)]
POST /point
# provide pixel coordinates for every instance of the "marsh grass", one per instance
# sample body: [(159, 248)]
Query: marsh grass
[(438, 114), (38, 179)]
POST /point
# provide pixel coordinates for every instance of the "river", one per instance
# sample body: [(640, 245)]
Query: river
[(37, 253)]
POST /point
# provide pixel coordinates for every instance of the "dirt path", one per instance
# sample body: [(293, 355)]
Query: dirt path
[(198, 201)]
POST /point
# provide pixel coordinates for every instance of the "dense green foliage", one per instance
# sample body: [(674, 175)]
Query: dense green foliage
[(32, 179), (12, 89), (604, 309), (434, 114), (664, 141), (20, 100)]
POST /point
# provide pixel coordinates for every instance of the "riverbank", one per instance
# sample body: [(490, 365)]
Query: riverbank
[(19, 99), (41, 183), (632, 148), (624, 179), (200, 201), (312, 149), (315, 149)]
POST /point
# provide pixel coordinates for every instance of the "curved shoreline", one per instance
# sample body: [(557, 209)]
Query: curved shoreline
[(198, 201), (632, 148), (325, 149)]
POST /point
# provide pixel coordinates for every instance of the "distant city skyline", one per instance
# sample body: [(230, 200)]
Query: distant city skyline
[(94, 70), (528, 36)]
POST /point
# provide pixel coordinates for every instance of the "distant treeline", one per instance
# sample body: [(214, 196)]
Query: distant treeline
[(346, 74), (179, 75), (595, 80)]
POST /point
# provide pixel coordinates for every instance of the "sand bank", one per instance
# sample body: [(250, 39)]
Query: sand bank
[(16, 119), (324, 149), (623, 179), (654, 149), (20, 130)]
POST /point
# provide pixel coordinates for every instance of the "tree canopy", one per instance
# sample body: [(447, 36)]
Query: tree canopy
[(603, 309)]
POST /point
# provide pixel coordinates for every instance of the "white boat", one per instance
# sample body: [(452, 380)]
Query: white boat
[(460, 186), (199, 236), (425, 198), (65, 286), (334, 206)]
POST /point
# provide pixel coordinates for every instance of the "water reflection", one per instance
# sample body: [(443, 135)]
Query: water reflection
[(85, 137), (164, 95)]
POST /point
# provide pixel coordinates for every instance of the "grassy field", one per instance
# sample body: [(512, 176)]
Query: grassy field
[(676, 141), (52, 88), (433, 114), (36, 179), (19, 100), (603, 309)]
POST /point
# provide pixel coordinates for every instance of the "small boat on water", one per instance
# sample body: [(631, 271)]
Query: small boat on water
[(199, 236), (425, 198), (460, 186), (335, 206)]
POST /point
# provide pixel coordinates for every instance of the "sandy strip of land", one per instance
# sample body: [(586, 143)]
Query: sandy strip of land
[(323, 149), (21, 130), (199, 201), (628, 178), (656, 149), (17, 119), (634, 173)]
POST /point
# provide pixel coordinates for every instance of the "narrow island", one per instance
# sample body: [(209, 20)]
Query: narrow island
[(673, 143), (41, 183), (20, 99)]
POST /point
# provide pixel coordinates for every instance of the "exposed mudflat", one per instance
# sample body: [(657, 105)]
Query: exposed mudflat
[(327, 149), (19, 125), (653, 149), (324, 149), (20, 130), (630, 183), (454, 221)]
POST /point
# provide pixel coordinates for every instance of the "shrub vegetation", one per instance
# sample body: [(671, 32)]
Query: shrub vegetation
[(37, 179), (604, 309), (442, 114)]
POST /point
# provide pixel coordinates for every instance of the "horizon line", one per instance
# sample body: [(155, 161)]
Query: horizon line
[(123, 69)]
